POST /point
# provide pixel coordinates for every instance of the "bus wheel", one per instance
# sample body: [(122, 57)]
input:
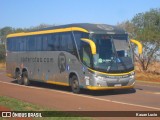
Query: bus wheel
[(19, 78), (75, 85), (25, 78)]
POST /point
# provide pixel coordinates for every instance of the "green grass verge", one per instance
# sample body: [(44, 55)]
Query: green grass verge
[(148, 81), (18, 105)]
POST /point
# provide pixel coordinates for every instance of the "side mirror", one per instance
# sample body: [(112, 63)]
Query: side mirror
[(91, 43), (138, 44)]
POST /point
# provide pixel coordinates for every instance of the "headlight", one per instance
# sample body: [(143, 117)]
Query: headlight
[(132, 76), (99, 78)]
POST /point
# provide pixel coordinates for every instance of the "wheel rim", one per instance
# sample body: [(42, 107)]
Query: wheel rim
[(18, 78), (75, 84)]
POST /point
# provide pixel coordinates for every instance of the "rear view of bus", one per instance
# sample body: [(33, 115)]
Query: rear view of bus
[(84, 55)]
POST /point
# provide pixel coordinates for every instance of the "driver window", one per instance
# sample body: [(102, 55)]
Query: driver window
[(86, 54)]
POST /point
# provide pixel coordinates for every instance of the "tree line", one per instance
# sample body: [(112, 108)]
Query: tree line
[(8, 30), (144, 27)]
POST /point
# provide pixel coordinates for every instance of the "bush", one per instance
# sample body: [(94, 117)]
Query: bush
[(2, 52)]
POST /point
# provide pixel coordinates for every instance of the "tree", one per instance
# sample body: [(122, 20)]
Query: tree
[(8, 30), (41, 26), (4, 32), (146, 28), (2, 52), (127, 26)]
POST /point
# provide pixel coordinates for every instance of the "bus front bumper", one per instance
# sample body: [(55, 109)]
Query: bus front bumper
[(108, 88)]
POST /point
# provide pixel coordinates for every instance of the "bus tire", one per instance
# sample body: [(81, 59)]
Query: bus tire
[(19, 78), (75, 84), (25, 78)]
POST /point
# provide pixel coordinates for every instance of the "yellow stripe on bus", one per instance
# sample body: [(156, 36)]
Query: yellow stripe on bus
[(92, 44), (108, 88), (47, 31), (140, 47), (112, 74), (57, 83)]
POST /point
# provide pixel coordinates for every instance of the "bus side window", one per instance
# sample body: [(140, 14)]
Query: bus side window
[(56, 42), (78, 36), (70, 43), (9, 44), (24, 43), (31, 43), (14, 44), (17, 44), (21, 42), (45, 42), (50, 46), (38, 43), (63, 41)]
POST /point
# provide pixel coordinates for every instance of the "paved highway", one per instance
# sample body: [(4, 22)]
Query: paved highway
[(145, 97)]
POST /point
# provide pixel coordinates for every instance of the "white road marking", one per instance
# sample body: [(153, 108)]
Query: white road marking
[(125, 103)]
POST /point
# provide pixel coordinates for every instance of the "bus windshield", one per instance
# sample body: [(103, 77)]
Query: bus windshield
[(113, 53)]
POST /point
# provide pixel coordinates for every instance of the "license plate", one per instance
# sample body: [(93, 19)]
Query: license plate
[(117, 85)]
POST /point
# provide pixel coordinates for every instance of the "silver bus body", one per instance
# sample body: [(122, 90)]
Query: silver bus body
[(59, 66)]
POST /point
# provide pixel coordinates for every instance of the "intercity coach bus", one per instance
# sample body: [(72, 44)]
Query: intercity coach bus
[(89, 56)]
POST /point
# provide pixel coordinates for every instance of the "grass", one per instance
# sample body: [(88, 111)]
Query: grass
[(18, 105), (151, 75)]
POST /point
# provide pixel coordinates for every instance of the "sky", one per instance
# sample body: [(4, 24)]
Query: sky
[(29, 13)]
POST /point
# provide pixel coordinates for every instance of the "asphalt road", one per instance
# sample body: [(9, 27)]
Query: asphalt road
[(145, 97)]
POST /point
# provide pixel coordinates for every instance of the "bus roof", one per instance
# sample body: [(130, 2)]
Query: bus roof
[(83, 27)]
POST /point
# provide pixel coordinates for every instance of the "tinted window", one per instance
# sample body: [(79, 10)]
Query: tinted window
[(56, 42), (50, 43), (85, 54), (44, 42), (14, 44), (31, 45), (38, 42), (9, 44), (77, 36), (67, 42), (63, 41), (70, 43)]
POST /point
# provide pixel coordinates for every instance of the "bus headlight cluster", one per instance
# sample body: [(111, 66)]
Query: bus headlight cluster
[(132, 76), (99, 78)]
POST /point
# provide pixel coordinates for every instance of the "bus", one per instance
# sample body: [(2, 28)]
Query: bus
[(82, 56)]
